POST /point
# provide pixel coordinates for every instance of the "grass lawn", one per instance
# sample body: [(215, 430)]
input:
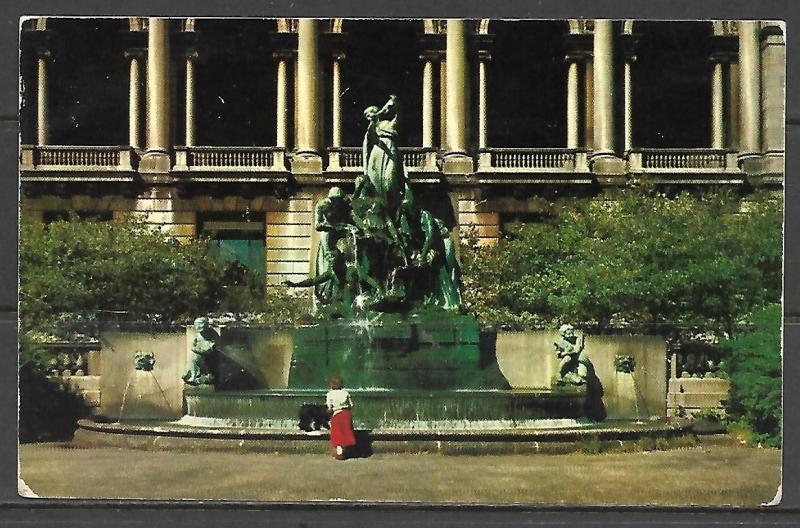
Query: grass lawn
[(709, 474)]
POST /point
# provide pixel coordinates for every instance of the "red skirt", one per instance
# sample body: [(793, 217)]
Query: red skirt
[(342, 429)]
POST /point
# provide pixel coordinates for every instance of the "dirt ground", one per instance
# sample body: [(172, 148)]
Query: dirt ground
[(704, 475)]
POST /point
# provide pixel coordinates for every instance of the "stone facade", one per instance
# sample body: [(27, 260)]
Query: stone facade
[(175, 186)]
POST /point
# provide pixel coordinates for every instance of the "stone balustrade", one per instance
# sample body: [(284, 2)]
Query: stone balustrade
[(351, 159), (76, 158), (682, 160), (533, 160), (535, 165), (229, 159)]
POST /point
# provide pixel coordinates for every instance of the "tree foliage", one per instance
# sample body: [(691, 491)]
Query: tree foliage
[(641, 259), (88, 266), (754, 368), (83, 270)]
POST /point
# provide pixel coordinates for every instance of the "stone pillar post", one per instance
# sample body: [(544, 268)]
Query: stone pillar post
[(749, 90), (573, 100), (282, 101), (191, 55), (134, 98), (604, 157), (156, 159), (588, 103), (443, 104), (604, 88), (427, 101), (732, 107), (717, 107), (483, 110), (628, 96), (773, 78), (42, 135), (307, 159), (336, 106), (456, 160)]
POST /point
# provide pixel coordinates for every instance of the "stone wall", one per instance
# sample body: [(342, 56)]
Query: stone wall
[(147, 395), (528, 360), (688, 395)]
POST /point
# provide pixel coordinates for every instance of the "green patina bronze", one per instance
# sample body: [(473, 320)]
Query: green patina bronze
[(204, 354), (574, 363), (378, 251)]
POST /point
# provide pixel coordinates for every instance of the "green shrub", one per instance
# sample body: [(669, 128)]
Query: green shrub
[(48, 410), (86, 267), (754, 368), (640, 260)]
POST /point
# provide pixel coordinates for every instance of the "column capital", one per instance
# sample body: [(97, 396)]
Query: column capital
[(135, 53), (431, 55), (36, 41), (283, 41), (723, 48), (484, 55), (578, 44), (722, 57), (285, 55), (432, 41), (629, 42), (338, 55)]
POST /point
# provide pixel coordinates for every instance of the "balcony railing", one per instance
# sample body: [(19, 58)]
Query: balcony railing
[(230, 159), (351, 159), (532, 160), (697, 160), (76, 158)]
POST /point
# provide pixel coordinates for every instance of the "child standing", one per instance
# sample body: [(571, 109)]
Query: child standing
[(339, 405)]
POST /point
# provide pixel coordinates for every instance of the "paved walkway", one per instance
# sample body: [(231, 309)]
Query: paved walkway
[(708, 474)]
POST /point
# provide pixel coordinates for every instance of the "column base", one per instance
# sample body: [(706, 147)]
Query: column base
[(763, 170), (457, 163), (155, 167), (609, 169), (154, 161), (307, 163)]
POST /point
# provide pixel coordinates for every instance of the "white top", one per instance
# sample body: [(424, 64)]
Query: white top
[(338, 400)]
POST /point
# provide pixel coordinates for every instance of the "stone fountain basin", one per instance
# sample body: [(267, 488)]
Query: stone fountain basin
[(393, 408)]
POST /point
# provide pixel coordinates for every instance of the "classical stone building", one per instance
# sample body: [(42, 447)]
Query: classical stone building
[(235, 128)]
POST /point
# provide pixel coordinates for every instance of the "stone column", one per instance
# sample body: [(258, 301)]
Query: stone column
[(573, 137), (628, 116), (336, 104), (773, 78), (282, 101), (717, 107), (749, 89), (42, 135), (588, 103), (456, 159), (483, 131), (603, 87), (733, 106), (156, 159), (134, 97), (443, 104), (604, 158), (427, 101), (307, 159), (191, 55)]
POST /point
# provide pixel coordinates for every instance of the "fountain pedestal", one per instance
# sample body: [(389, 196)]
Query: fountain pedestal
[(437, 350)]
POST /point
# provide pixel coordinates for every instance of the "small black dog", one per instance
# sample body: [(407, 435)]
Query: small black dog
[(313, 415)]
